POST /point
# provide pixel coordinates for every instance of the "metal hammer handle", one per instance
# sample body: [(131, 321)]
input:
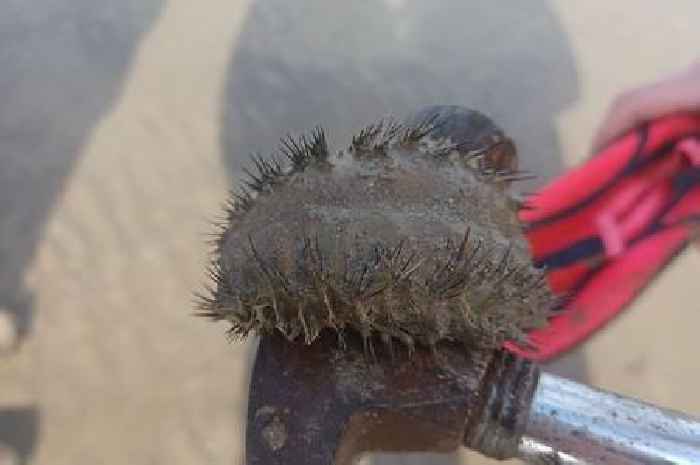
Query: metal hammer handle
[(570, 423), (322, 405)]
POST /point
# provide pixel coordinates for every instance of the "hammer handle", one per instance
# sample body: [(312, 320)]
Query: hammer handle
[(570, 423)]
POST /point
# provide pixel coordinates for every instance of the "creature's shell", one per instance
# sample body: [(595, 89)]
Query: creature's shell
[(408, 235)]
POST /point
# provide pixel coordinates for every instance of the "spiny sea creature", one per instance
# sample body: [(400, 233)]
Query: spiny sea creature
[(408, 235)]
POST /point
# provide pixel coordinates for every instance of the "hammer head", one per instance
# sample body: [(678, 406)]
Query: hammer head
[(322, 405)]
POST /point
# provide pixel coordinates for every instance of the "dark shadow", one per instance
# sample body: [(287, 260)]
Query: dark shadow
[(305, 63), (345, 64), (19, 428), (62, 65)]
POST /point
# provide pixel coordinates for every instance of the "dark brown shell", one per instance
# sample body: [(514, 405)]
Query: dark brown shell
[(408, 235)]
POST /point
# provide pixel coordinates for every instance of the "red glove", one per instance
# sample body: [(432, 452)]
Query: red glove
[(604, 230)]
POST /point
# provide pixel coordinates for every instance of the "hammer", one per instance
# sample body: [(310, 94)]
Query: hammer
[(320, 405)]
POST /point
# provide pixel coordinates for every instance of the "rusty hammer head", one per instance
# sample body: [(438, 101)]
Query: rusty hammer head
[(320, 405)]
